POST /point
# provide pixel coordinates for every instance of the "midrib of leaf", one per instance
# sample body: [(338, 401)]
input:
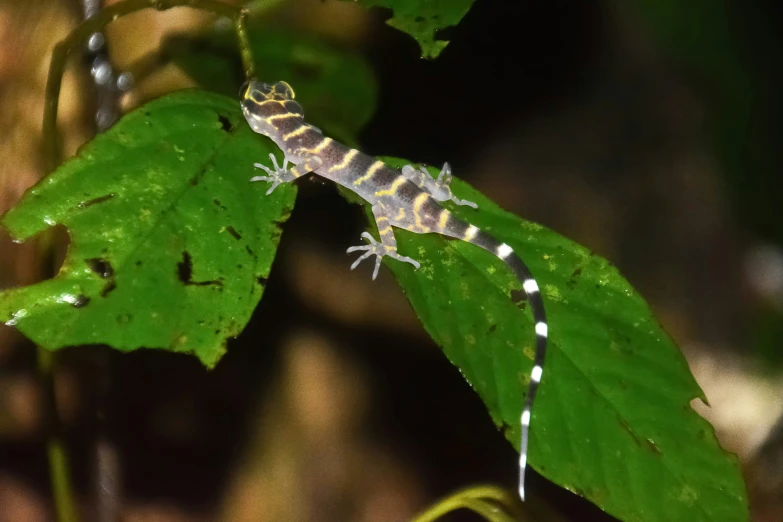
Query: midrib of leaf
[(165, 212), (171, 206)]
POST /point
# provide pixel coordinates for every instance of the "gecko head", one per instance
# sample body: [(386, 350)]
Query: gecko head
[(255, 97), (258, 92)]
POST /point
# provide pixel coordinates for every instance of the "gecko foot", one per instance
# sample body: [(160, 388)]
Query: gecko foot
[(378, 249), (440, 188), (277, 176), (444, 181)]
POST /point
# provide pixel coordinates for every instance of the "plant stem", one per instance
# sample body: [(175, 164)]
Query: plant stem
[(490, 502), (108, 87), (244, 44), (59, 471), (77, 38)]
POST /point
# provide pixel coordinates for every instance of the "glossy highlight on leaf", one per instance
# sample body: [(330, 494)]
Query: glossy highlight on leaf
[(170, 242), (612, 421)]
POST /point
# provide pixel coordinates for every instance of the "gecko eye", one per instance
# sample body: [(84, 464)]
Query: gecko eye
[(285, 90), (256, 91)]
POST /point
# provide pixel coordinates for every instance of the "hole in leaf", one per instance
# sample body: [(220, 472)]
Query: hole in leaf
[(225, 124), (81, 301), (108, 288), (185, 273), (231, 230), (185, 268), (101, 267), (95, 201)]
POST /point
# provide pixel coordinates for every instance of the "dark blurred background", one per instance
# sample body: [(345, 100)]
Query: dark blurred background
[(645, 130)]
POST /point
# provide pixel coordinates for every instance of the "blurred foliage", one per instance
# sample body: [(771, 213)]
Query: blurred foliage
[(336, 86), (730, 51), (726, 56), (422, 19)]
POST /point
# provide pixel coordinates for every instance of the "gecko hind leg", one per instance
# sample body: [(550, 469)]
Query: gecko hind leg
[(440, 188), (379, 250), (387, 246)]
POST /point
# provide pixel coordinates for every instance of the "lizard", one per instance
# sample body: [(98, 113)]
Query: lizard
[(408, 199)]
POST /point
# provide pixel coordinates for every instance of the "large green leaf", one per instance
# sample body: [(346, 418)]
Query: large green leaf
[(423, 18), (335, 86), (613, 420), (170, 242)]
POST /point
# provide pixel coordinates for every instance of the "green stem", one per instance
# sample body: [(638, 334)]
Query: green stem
[(59, 471), (244, 44), (77, 38), (475, 499)]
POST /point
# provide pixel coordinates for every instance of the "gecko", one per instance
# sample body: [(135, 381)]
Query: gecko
[(408, 199)]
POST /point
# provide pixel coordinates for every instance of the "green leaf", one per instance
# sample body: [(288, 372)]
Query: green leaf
[(612, 421), (422, 18), (170, 242), (335, 86)]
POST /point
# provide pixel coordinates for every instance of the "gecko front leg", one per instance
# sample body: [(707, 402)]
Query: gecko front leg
[(387, 246), (283, 174), (440, 188)]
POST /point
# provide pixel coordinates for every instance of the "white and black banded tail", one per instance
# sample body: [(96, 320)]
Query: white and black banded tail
[(522, 272)]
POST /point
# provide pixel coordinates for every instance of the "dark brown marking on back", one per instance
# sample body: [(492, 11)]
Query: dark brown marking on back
[(384, 177), (431, 208), (333, 153), (287, 125), (264, 110), (408, 192), (359, 165), (311, 140), (456, 227), (429, 213)]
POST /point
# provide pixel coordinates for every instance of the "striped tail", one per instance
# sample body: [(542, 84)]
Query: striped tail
[(480, 238)]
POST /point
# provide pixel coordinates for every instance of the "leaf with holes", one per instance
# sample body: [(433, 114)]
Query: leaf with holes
[(612, 421), (170, 242), (422, 19)]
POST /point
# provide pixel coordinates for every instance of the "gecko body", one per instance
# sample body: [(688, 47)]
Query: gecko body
[(409, 199)]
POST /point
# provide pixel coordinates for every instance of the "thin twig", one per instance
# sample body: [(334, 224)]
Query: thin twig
[(108, 86), (59, 472), (77, 38), (244, 44)]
